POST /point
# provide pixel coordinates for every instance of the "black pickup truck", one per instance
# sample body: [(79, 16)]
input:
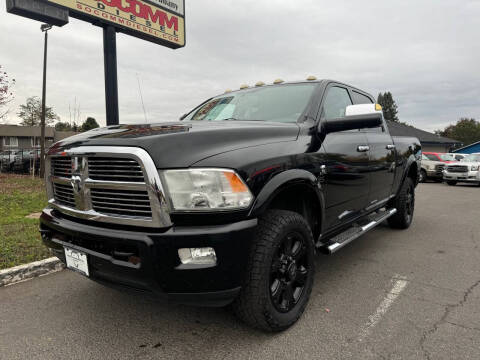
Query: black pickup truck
[(230, 204)]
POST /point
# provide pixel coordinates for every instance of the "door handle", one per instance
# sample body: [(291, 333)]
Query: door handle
[(390, 147), (363, 148)]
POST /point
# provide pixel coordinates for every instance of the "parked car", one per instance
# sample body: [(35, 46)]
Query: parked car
[(458, 157), (7, 159), (443, 157), (468, 170), (24, 160), (230, 204), (431, 169)]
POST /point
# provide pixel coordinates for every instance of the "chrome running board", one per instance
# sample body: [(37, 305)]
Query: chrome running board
[(354, 232)]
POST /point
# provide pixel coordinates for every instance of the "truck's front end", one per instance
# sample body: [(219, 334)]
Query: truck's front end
[(110, 218)]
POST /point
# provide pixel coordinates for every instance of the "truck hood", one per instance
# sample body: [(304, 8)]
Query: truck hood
[(182, 144), (465, 163)]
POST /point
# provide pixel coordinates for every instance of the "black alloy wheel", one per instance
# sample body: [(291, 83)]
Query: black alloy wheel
[(289, 272), (279, 277)]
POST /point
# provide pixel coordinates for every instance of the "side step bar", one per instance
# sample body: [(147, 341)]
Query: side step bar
[(346, 237)]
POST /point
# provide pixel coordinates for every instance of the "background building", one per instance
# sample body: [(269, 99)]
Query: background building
[(430, 142), (28, 137), (470, 149)]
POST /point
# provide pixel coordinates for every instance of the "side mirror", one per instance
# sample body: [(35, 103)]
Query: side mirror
[(356, 117)]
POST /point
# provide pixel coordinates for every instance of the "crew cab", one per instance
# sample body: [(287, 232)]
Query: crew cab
[(467, 171), (230, 205)]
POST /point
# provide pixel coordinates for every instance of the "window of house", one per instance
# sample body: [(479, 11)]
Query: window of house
[(10, 141)]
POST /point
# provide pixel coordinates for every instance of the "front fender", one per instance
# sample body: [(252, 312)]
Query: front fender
[(282, 181)]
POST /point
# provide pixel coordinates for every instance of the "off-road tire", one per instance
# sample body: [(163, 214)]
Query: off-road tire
[(404, 202), (452, 183), (254, 305), (423, 176)]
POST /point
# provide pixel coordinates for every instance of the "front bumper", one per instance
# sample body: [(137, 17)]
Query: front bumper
[(434, 174), (470, 176), (158, 269)]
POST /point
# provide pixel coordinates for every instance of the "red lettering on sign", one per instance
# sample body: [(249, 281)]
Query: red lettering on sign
[(143, 11)]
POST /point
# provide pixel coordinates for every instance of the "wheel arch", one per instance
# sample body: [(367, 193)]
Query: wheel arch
[(295, 190)]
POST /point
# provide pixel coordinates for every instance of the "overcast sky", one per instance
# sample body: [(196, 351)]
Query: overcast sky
[(426, 52)]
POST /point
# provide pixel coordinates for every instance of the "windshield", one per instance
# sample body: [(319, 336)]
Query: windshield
[(431, 157), (472, 158), (284, 103), (448, 157)]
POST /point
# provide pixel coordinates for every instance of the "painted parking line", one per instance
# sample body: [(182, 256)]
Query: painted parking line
[(399, 284)]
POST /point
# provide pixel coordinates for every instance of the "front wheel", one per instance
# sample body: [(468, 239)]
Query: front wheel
[(279, 277), (452, 183), (404, 202), (423, 176)]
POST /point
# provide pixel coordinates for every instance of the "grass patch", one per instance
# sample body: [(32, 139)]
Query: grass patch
[(20, 241)]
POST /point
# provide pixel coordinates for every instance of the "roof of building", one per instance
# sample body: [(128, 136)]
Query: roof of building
[(25, 131), (60, 135), (467, 147), (398, 129)]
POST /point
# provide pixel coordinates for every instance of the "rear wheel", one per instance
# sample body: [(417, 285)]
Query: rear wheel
[(452, 183), (279, 277), (423, 176), (404, 202)]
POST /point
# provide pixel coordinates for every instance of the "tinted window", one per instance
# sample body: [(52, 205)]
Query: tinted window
[(336, 102), (360, 98)]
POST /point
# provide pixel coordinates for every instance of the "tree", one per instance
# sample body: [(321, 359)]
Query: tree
[(390, 108), (6, 93), (63, 126), (31, 113), (89, 124), (465, 130)]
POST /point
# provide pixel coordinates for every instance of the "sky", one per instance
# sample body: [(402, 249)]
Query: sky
[(426, 52)]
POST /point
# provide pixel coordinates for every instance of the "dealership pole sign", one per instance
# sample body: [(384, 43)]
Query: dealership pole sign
[(158, 21)]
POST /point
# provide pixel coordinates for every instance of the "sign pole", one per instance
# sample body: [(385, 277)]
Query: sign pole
[(111, 81)]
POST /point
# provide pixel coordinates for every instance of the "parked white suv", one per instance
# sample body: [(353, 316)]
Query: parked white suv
[(431, 169), (467, 170)]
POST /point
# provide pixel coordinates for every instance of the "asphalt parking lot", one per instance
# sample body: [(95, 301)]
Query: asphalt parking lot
[(391, 294)]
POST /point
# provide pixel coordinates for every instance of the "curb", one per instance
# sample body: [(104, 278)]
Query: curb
[(29, 271)]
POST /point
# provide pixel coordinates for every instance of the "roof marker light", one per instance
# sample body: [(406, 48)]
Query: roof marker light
[(260, 83), (228, 91), (278, 81), (311, 78), (244, 86)]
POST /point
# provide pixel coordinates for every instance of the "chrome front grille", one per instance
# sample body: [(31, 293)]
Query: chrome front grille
[(457, 168), (62, 166), (116, 169), (123, 202), (109, 184), (64, 194), (439, 169)]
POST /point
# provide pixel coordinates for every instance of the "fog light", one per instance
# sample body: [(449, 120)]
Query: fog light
[(198, 256)]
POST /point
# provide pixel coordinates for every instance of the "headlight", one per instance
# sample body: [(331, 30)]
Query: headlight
[(206, 190), (475, 167)]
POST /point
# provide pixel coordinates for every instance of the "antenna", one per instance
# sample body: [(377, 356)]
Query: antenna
[(141, 97)]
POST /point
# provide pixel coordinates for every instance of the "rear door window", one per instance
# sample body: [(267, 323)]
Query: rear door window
[(360, 98)]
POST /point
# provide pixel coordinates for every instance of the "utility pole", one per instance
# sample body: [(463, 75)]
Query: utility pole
[(111, 82), (44, 28)]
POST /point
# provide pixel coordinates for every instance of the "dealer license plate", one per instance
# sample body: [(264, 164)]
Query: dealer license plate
[(77, 261)]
